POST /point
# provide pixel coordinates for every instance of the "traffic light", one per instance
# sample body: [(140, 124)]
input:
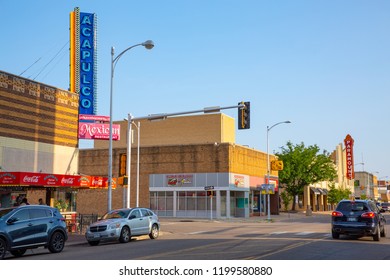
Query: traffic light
[(122, 180), (276, 165), (122, 165), (244, 116)]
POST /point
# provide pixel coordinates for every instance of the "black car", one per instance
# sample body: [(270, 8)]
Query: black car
[(31, 226), (358, 218)]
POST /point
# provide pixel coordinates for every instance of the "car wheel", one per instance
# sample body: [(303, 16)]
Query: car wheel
[(18, 253), (377, 235), (57, 242), (383, 232), (125, 235), (154, 232), (335, 235), (3, 248), (93, 243)]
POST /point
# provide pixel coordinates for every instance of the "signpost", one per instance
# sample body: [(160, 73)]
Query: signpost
[(265, 189)]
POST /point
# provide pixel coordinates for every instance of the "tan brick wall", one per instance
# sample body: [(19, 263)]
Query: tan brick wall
[(183, 130)]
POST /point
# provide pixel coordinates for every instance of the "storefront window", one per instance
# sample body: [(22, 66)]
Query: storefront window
[(65, 200)]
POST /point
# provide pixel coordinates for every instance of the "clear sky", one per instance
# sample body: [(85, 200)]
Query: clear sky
[(323, 65)]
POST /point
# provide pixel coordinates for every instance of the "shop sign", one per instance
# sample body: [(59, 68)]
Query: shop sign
[(348, 142), (8, 178), (87, 62), (53, 180), (239, 181), (99, 131), (180, 180), (84, 117)]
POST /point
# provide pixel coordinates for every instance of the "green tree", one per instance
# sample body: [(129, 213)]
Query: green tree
[(335, 195), (304, 166), (286, 199)]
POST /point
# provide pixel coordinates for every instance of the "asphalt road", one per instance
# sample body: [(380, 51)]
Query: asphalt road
[(286, 237)]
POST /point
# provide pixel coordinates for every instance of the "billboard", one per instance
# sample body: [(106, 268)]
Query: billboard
[(83, 59)]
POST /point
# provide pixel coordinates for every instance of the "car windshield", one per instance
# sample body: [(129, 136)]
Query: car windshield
[(5, 211), (352, 206), (116, 214)]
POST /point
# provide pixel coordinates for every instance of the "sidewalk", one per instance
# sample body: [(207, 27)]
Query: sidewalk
[(283, 217)]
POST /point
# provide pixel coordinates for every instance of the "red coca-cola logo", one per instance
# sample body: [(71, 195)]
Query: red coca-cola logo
[(31, 179), (67, 181)]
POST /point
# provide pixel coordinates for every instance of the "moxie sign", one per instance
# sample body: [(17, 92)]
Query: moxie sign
[(51, 180), (348, 142)]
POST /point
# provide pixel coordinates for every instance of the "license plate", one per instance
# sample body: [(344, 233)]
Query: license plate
[(351, 219), (96, 235)]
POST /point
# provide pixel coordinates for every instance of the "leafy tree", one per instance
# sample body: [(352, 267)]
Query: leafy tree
[(286, 199), (335, 195), (304, 166)]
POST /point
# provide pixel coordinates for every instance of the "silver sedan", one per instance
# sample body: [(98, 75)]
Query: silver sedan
[(122, 224)]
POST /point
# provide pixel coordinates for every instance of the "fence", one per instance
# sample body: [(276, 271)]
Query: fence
[(78, 223)]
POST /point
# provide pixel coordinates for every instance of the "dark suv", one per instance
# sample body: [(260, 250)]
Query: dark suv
[(31, 226), (358, 218)]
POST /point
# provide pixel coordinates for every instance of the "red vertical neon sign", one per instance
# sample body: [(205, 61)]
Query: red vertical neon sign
[(348, 141)]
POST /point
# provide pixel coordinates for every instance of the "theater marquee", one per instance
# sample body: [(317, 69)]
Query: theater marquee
[(348, 142)]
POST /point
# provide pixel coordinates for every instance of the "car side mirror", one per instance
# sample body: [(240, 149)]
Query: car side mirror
[(132, 217), (12, 221)]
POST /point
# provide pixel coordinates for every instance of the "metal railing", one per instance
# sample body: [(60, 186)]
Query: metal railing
[(80, 222)]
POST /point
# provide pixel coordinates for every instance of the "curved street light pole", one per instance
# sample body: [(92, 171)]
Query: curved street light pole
[(268, 170), (148, 45)]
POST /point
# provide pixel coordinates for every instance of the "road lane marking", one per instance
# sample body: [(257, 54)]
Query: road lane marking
[(197, 232), (304, 233)]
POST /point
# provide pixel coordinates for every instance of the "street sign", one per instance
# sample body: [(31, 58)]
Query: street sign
[(267, 188), (207, 188)]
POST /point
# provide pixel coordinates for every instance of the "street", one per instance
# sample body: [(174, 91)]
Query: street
[(287, 237)]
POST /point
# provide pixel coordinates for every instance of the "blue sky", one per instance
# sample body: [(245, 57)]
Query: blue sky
[(323, 65)]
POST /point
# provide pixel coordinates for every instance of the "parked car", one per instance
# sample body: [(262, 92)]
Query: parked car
[(31, 226), (385, 206), (122, 224), (358, 218)]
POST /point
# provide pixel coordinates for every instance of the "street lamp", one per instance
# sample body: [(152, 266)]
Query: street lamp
[(130, 122), (114, 60), (268, 168)]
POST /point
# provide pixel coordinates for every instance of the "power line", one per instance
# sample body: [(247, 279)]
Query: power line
[(51, 60)]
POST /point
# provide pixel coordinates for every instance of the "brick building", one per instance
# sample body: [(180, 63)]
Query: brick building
[(180, 158)]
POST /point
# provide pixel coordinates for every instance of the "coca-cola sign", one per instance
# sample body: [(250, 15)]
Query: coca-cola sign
[(99, 131), (52, 180), (31, 179)]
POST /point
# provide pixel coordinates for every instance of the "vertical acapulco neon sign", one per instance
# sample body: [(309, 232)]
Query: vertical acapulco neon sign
[(83, 57), (348, 142)]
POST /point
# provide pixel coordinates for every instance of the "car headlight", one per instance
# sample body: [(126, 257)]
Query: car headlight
[(114, 226)]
